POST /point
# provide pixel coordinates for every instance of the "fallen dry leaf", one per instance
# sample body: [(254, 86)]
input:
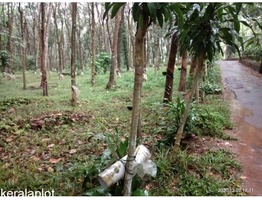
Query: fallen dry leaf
[(6, 165), (50, 145), (10, 139), (50, 169), (36, 158), (54, 160), (72, 151), (40, 169)]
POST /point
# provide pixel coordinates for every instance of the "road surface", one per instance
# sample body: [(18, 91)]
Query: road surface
[(243, 91)]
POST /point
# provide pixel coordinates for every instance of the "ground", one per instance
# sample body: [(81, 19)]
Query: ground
[(45, 143)]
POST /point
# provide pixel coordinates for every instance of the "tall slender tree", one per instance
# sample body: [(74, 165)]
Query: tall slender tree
[(10, 13), (182, 83), (23, 50), (93, 45), (45, 22), (73, 56), (113, 67), (170, 69), (43, 50)]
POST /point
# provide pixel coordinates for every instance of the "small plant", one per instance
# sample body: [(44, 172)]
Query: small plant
[(253, 52), (210, 88), (171, 122), (210, 122), (116, 143), (102, 62)]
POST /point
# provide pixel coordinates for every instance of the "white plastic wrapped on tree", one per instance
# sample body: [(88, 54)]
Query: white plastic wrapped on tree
[(142, 165)]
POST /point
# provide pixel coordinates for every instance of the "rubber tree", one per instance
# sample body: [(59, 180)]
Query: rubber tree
[(113, 66), (23, 50), (204, 29), (143, 14), (170, 69), (93, 77), (182, 83), (73, 56)]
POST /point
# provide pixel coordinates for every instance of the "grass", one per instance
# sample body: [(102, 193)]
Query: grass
[(45, 143)]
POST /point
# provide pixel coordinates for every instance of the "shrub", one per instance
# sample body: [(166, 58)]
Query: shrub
[(102, 62)]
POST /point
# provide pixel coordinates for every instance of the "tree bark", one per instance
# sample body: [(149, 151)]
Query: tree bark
[(124, 43), (23, 51), (131, 41), (44, 44), (73, 50), (193, 66), (9, 37), (108, 33), (182, 83), (139, 62), (43, 51), (58, 40), (93, 47), (192, 91), (80, 51), (111, 81), (170, 69)]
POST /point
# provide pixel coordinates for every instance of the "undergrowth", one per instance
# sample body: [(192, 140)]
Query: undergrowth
[(47, 144)]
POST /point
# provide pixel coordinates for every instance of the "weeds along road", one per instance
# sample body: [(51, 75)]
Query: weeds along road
[(243, 91)]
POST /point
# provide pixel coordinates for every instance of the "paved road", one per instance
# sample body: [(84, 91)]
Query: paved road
[(243, 90)]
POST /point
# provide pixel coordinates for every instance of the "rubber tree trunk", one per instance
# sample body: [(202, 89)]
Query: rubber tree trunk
[(43, 51), (138, 58), (45, 22), (170, 69), (193, 66), (93, 78), (73, 55), (184, 116), (113, 67), (59, 46), (23, 49), (10, 14), (182, 83)]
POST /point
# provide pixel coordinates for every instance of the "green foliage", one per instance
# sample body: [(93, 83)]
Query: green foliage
[(140, 192), (172, 119), (212, 83), (253, 52), (196, 175), (4, 58), (102, 62), (31, 63), (7, 103), (203, 119), (117, 143), (201, 181), (210, 88), (207, 25), (210, 122), (156, 12)]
